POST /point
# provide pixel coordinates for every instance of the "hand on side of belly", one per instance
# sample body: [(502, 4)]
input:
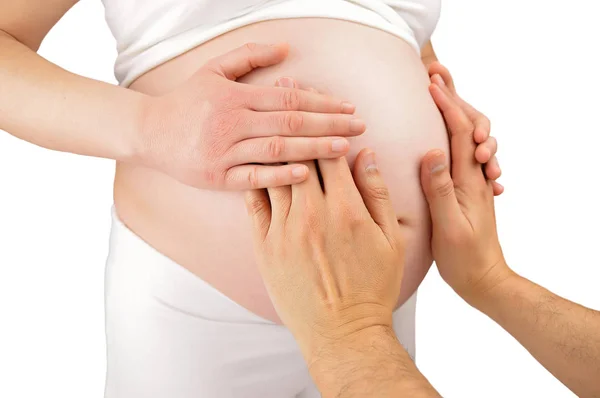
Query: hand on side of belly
[(216, 133)]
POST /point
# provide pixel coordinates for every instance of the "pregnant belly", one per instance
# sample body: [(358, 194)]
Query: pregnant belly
[(208, 232)]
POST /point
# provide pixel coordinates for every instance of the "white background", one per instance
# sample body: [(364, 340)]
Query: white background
[(531, 66)]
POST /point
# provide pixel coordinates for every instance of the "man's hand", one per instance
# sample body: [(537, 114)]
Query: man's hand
[(563, 336), (332, 257), (487, 146), (215, 133), (464, 242)]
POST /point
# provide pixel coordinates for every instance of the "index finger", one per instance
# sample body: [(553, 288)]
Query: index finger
[(270, 99), (337, 179), (437, 68)]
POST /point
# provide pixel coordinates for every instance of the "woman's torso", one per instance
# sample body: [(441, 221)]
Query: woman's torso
[(208, 232)]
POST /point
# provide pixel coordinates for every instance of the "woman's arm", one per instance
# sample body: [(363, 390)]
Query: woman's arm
[(428, 55), (209, 133), (50, 107)]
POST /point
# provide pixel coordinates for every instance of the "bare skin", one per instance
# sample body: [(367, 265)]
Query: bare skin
[(206, 133), (563, 336), (197, 229), (162, 160), (332, 257), (347, 277)]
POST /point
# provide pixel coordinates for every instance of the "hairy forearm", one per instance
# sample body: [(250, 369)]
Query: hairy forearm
[(53, 108), (370, 364), (563, 336)]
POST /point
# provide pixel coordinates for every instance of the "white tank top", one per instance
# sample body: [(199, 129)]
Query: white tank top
[(151, 32)]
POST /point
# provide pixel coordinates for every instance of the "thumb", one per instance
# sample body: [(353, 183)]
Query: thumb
[(246, 58), (439, 189), (259, 210), (374, 191)]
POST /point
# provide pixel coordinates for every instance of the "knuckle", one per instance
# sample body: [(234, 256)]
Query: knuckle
[(256, 96), (223, 123), (467, 125), (445, 189), (217, 123), (354, 218), (293, 122), (212, 66), (349, 215), (290, 100), (229, 97), (333, 124), (251, 46), (381, 193), (276, 147), (312, 220), (252, 177), (466, 129), (255, 205), (312, 227)]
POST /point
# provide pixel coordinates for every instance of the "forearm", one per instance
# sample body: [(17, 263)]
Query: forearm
[(563, 336), (428, 55), (50, 107), (371, 364)]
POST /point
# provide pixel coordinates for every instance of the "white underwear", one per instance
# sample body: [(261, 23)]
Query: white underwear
[(172, 335)]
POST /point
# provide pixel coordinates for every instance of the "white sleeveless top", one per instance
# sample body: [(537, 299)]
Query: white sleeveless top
[(151, 32)]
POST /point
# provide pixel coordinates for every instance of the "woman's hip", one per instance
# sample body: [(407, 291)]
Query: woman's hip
[(169, 333)]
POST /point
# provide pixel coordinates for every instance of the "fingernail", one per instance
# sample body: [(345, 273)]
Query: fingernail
[(299, 171), (357, 126), (439, 80), (339, 145), (348, 107), (286, 82), (370, 163), (437, 164)]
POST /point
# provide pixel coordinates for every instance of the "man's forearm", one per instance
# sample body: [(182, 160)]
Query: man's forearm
[(53, 108), (372, 363), (563, 336)]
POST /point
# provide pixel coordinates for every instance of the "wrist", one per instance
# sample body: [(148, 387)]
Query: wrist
[(338, 363), (138, 135), (338, 329), (493, 291)]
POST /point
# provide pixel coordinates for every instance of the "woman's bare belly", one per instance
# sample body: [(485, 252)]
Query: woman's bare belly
[(208, 232)]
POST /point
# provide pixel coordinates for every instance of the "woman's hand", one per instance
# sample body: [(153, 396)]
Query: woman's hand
[(332, 257), (216, 133), (487, 145), (464, 242)]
